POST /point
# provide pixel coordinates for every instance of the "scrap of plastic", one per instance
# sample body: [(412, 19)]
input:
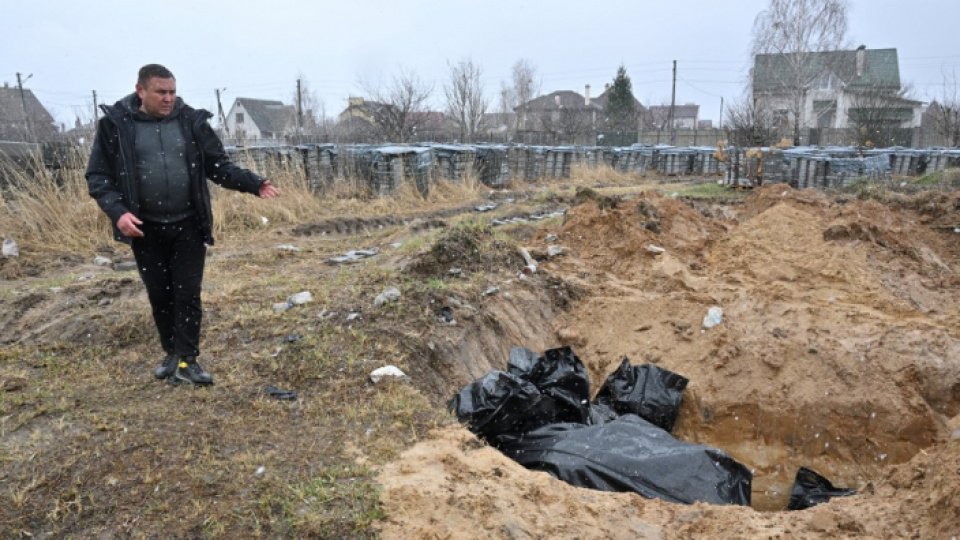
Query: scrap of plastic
[(353, 256), (390, 294), (648, 391), (810, 489), (300, 298), (631, 454), (384, 372), (277, 393), (10, 248), (713, 317)]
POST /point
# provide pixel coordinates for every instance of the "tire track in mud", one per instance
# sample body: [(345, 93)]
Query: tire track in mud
[(28, 317), (349, 226)]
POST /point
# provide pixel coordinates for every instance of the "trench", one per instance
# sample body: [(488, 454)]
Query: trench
[(843, 377)]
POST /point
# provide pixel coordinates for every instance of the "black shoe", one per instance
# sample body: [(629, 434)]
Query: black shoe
[(189, 371), (166, 369)]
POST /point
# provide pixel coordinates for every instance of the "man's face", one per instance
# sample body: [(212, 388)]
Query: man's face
[(158, 96)]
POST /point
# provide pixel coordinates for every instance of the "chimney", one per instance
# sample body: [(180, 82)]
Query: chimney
[(586, 95), (556, 99), (861, 58)]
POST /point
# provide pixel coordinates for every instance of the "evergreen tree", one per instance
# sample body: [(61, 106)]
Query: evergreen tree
[(621, 110)]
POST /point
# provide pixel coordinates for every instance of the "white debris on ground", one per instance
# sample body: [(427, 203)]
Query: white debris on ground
[(353, 256), (100, 260), (531, 267), (714, 317), (10, 248), (379, 374), (490, 291), (391, 294), (300, 298)]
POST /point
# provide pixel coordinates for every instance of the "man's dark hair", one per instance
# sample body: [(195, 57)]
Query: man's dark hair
[(153, 70)]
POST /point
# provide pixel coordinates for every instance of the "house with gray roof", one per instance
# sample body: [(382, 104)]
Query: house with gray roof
[(684, 116), (569, 114), (259, 119), (35, 124), (834, 87)]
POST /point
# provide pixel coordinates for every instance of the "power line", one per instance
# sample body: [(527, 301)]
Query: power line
[(699, 89)]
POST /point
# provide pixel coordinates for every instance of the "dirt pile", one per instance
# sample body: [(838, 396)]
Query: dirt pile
[(839, 350), (469, 248), (452, 486)]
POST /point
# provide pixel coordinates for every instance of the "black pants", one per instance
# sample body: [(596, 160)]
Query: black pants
[(170, 259)]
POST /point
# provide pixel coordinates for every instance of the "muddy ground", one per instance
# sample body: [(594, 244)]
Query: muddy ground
[(839, 350)]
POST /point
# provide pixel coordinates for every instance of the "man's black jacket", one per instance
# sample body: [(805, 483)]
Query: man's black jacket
[(112, 176)]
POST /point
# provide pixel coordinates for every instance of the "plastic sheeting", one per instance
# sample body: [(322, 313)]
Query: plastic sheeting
[(810, 489), (631, 454), (647, 391), (538, 412)]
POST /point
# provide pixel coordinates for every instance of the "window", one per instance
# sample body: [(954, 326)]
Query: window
[(239, 116), (826, 82)]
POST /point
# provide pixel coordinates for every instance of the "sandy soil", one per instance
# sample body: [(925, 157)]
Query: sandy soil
[(839, 350)]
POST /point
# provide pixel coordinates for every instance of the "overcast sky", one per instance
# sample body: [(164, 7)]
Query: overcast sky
[(258, 49)]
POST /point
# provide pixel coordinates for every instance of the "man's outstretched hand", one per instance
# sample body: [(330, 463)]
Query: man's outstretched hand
[(268, 190), (128, 225)]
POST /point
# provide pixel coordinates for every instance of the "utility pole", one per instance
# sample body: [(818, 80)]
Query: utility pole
[(721, 112), (299, 114), (96, 114), (673, 103), (223, 117), (23, 102)]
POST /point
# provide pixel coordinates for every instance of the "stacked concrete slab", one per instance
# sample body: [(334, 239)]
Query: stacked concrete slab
[(384, 169)]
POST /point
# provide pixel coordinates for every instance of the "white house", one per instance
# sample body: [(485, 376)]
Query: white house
[(834, 87), (252, 119)]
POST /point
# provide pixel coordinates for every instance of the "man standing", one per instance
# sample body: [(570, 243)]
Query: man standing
[(147, 171)]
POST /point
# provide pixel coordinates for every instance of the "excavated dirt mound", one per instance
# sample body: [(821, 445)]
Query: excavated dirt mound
[(839, 350), (452, 486), (468, 248)]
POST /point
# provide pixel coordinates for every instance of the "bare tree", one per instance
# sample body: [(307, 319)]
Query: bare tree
[(465, 101), (573, 123), (946, 111), (397, 107), (525, 87), (794, 33), (876, 116), (749, 123)]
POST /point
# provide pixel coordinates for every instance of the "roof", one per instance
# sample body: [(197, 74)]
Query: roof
[(601, 100), (12, 121), (268, 115), (880, 68), (568, 100)]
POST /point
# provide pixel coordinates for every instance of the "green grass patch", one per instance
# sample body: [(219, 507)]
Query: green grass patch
[(709, 190)]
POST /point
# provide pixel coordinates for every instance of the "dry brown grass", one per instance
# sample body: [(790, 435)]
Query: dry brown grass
[(602, 174), (44, 216), (51, 213)]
